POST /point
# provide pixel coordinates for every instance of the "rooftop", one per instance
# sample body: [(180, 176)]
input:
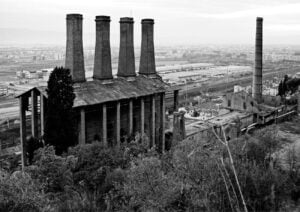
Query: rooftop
[(96, 92)]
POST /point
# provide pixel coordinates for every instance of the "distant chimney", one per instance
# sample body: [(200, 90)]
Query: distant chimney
[(74, 50), (147, 61), (126, 66), (257, 76), (102, 61)]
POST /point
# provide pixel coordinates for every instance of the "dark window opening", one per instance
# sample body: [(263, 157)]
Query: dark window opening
[(229, 103)]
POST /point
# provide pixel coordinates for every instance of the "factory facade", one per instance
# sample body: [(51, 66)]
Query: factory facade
[(110, 109)]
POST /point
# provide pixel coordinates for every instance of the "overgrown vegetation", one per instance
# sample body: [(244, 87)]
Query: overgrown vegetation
[(288, 85), (194, 176)]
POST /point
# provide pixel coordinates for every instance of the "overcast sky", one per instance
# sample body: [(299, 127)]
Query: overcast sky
[(176, 21)]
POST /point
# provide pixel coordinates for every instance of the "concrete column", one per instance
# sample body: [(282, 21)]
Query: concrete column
[(178, 127), (102, 61), (130, 117), (22, 129), (176, 100), (82, 126), (153, 121), (34, 117), (298, 101), (118, 127), (142, 116), (74, 47), (126, 66), (163, 114), (104, 125), (147, 61), (42, 105), (257, 76)]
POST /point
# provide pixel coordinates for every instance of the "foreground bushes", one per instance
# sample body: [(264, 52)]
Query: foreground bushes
[(191, 177)]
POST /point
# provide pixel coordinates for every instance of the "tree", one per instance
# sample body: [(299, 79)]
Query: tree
[(284, 84), (60, 128), (280, 89)]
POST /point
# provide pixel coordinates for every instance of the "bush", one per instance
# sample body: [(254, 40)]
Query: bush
[(19, 192)]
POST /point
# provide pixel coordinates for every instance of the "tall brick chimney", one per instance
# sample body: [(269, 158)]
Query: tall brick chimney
[(126, 67), (102, 62), (74, 51), (147, 61), (257, 75)]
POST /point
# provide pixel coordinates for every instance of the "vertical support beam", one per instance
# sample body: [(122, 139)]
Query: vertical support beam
[(153, 121), (163, 112), (42, 105), (22, 130), (82, 126), (118, 128), (104, 125), (298, 101), (34, 114), (142, 116), (175, 100), (130, 117)]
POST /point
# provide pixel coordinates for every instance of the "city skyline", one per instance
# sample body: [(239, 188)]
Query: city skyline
[(176, 22)]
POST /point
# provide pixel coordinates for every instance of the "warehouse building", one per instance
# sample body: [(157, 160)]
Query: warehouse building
[(109, 108)]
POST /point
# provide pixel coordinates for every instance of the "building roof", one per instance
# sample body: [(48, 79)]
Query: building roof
[(97, 92)]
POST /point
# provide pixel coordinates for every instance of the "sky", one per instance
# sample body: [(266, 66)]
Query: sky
[(177, 22)]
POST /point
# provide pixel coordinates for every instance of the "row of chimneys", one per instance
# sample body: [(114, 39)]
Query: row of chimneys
[(102, 62), (126, 67)]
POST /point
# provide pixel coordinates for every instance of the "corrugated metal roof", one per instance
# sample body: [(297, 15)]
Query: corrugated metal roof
[(96, 92)]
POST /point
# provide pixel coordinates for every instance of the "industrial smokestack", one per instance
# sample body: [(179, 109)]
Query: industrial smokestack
[(147, 61), (126, 67), (102, 61), (74, 50), (257, 76)]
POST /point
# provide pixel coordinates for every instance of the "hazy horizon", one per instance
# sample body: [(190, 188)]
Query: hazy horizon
[(188, 22)]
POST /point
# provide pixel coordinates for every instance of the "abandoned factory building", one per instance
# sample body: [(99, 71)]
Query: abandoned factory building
[(109, 108)]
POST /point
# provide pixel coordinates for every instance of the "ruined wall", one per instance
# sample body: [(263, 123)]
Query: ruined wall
[(240, 101)]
